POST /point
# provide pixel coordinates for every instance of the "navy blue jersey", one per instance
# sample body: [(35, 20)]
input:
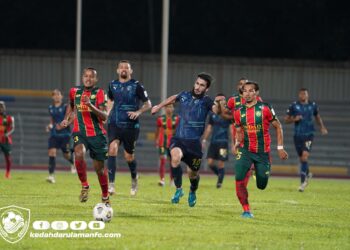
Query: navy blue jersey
[(306, 125), (126, 97), (193, 113), (57, 114), (220, 128)]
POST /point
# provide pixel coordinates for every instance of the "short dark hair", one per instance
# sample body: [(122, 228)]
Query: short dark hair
[(220, 94), (303, 89), (123, 61), (206, 77), (256, 85), (91, 69)]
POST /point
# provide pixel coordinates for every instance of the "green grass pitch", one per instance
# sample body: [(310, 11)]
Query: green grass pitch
[(319, 218)]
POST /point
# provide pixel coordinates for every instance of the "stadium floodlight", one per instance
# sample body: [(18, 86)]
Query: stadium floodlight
[(78, 43)]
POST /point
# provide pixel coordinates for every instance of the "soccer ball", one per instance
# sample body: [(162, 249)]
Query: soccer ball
[(102, 212)]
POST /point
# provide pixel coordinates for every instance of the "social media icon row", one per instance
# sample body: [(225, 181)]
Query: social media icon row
[(64, 225)]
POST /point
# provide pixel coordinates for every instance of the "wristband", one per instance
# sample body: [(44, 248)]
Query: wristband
[(279, 147)]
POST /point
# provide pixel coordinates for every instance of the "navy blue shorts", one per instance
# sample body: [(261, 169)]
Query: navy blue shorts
[(126, 136), (218, 151), (60, 142), (191, 149), (303, 143)]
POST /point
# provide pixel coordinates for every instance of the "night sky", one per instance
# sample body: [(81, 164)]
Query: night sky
[(295, 29)]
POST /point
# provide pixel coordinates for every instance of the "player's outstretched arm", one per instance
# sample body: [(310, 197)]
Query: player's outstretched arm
[(170, 100), (319, 121), (279, 133), (135, 114)]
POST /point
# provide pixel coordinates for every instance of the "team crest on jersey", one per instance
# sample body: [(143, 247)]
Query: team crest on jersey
[(93, 96), (258, 113)]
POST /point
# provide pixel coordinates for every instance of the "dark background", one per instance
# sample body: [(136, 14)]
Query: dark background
[(298, 29)]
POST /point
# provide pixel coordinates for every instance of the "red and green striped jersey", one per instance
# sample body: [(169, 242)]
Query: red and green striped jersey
[(85, 121), (6, 125), (234, 102), (255, 122), (167, 127)]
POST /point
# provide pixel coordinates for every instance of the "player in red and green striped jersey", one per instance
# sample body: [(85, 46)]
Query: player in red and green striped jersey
[(166, 126), (7, 126), (90, 106), (253, 145)]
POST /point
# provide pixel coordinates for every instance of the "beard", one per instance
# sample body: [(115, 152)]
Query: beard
[(198, 96), (123, 75)]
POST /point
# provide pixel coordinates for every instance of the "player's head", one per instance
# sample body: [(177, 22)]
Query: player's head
[(124, 69), (2, 107), (56, 96), (303, 95), (89, 77), (169, 109), (202, 84), (250, 91), (240, 84), (220, 97)]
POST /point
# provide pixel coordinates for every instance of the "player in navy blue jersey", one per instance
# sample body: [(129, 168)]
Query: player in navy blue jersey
[(186, 145), (301, 113), (218, 149), (59, 137), (127, 95)]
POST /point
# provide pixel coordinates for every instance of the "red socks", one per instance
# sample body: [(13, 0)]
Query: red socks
[(162, 168), (81, 170), (103, 179), (242, 194)]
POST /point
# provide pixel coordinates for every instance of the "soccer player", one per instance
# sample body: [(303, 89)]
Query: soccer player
[(7, 126), (301, 113), (218, 148), (186, 145), (123, 124), (166, 125), (59, 137), (253, 119), (89, 104)]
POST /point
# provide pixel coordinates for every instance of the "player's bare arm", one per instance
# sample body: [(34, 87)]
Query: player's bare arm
[(101, 111), (135, 114), (69, 117), (319, 121), (206, 134), (109, 106), (12, 129), (291, 119), (238, 141), (282, 153), (170, 100)]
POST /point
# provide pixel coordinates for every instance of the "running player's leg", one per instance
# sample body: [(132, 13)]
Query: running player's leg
[(176, 170), (221, 173), (97, 146), (52, 153), (65, 148), (162, 161), (262, 168), (114, 142), (129, 139), (80, 164), (193, 158), (194, 180), (6, 149), (222, 157), (211, 156), (243, 163)]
